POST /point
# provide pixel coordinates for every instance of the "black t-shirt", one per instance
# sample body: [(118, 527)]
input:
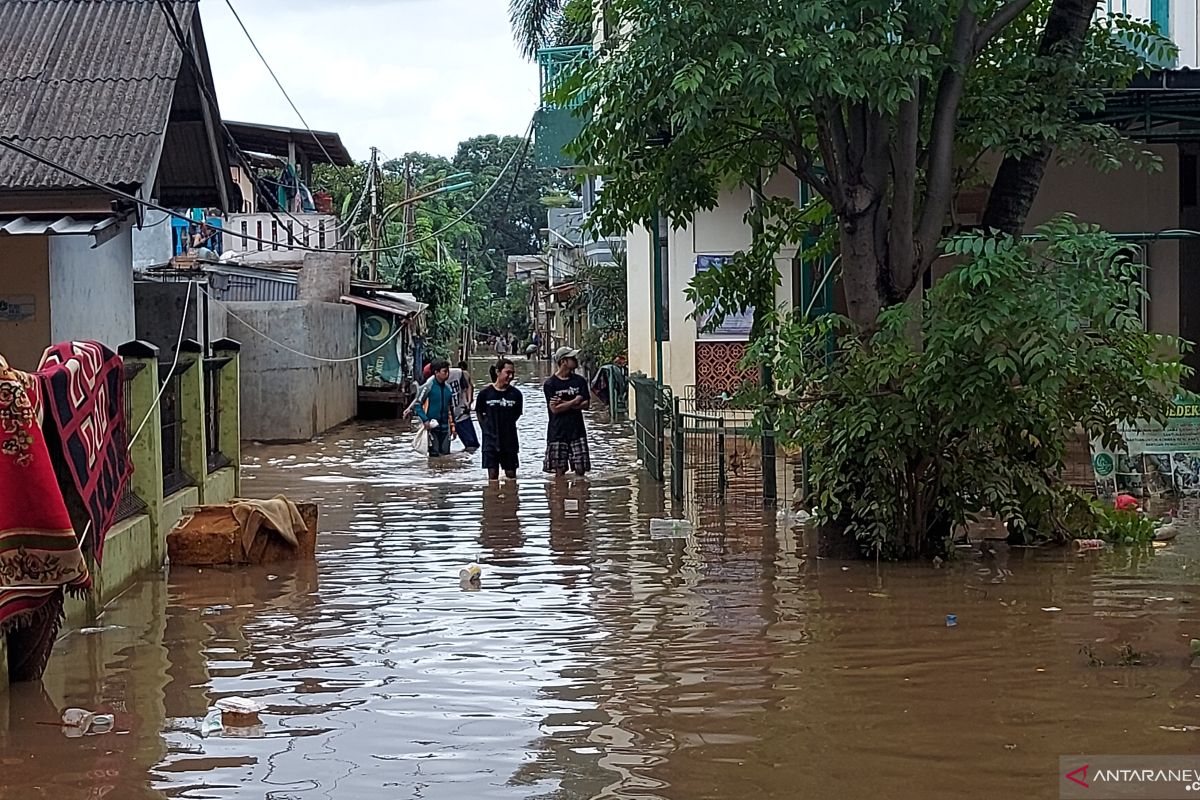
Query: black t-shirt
[(566, 427), (498, 413)]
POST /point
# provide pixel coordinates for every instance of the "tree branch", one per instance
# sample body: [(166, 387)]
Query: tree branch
[(805, 164), (999, 21), (940, 179), (904, 188), (831, 136)]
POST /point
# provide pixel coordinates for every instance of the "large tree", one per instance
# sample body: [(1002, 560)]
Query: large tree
[(511, 217), (963, 401), (884, 109)]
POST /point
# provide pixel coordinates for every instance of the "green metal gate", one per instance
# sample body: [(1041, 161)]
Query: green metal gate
[(652, 406)]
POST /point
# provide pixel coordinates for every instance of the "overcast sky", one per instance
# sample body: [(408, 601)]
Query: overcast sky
[(401, 75)]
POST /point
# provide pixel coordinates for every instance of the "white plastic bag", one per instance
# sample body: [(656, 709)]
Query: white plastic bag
[(420, 442)]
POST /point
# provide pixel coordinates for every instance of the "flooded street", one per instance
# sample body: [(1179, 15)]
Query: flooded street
[(596, 662)]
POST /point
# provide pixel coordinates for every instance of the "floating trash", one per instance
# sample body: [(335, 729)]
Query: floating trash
[(671, 529), (471, 573), (211, 723), (101, 629), (1051, 609), (951, 620), (239, 712), (77, 722)]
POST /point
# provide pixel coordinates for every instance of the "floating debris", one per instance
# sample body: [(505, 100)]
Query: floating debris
[(1051, 609), (239, 712), (671, 529), (101, 629), (77, 722)]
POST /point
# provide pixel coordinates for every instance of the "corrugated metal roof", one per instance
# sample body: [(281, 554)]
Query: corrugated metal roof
[(40, 226), (87, 83)]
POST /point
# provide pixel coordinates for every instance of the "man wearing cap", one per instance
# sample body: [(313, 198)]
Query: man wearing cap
[(566, 437)]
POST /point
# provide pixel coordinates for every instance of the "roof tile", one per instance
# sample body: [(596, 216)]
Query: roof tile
[(86, 83)]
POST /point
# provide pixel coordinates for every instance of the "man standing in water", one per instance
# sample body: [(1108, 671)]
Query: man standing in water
[(434, 408), (566, 436), (499, 406)]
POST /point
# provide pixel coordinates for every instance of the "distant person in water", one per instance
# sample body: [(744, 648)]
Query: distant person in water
[(566, 435), (435, 405), (461, 383), (499, 406)]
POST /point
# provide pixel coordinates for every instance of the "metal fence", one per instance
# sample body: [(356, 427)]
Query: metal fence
[(216, 458), (130, 505), (171, 423), (717, 453), (652, 408)]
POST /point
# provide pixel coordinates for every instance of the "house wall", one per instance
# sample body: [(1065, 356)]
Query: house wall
[(285, 396), (91, 289), (721, 231), (152, 243), (1185, 30), (25, 278), (1126, 201)]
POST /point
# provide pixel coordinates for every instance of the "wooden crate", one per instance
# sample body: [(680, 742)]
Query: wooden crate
[(210, 536)]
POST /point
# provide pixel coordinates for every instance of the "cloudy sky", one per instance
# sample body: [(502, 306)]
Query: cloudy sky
[(401, 75)]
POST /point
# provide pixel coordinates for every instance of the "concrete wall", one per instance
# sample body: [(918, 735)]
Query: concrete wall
[(152, 244), (159, 312), (1126, 201), (91, 289), (25, 279), (286, 396), (324, 278)]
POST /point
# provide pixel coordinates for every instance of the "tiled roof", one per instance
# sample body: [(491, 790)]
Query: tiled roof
[(86, 83)]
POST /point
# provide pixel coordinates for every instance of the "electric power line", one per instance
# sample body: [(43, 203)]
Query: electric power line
[(12, 144), (275, 78)]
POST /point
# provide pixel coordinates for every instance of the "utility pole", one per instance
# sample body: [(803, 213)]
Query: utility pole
[(410, 208), (374, 220)]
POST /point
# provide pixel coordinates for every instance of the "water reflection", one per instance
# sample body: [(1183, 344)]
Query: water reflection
[(597, 662)]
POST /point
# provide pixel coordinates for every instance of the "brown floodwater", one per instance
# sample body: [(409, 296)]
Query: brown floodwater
[(596, 662)]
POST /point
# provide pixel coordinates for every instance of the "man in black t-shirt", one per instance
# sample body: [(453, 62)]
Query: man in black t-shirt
[(498, 407), (566, 437)]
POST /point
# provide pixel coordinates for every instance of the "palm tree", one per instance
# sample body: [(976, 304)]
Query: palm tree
[(540, 23)]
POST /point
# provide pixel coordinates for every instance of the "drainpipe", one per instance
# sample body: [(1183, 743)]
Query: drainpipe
[(657, 268)]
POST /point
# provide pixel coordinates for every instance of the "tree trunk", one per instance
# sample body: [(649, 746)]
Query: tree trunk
[(861, 272), (1020, 177)]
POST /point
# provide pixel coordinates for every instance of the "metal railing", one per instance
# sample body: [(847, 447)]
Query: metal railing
[(557, 64), (171, 426), (652, 407), (717, 452), (130, 505), (215, 457)]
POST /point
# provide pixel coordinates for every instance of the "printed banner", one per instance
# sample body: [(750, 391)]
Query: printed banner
[(1157, 459), (734, 326), (379, 366)]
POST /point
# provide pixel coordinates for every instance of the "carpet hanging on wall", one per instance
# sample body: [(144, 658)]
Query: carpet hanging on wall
[(84, 388)]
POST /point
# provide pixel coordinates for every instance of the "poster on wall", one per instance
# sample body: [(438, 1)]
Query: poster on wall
[(17, 308), (380, 366), (734, 326), (1156, 460)]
